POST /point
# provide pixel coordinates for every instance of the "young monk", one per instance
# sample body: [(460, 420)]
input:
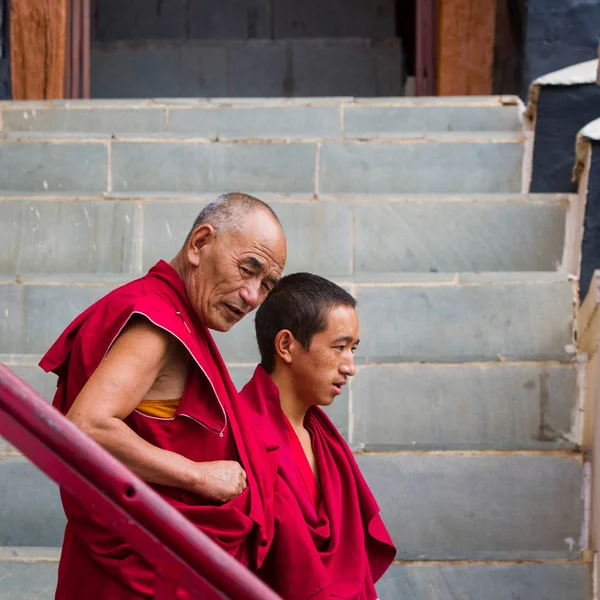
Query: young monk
[(329, 540)]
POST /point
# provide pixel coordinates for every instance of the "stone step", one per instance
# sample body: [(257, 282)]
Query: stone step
[(439, 163), (334, 238), (479, 506), (31, 513), (500, 581), (437, 506), (431, 321), (28, 573), (261, 118), (502, 406), (448, 322), (494, 405)]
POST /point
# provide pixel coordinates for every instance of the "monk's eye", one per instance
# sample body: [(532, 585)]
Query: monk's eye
[(245, 271), (340, 348), (354, 349)]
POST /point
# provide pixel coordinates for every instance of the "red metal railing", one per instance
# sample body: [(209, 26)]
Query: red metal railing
[(181, 553)]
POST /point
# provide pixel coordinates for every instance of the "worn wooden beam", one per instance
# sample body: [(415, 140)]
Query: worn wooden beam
[(466, 47), (38, 32)]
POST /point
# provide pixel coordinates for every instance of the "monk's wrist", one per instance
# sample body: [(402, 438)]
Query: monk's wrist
[(193, 477)]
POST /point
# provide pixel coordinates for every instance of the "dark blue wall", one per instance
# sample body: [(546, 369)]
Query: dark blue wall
[(5, 92), (559, 33), (562, 111)]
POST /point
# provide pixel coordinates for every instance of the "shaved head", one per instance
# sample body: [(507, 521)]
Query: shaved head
[(229, 212), (232, 258)]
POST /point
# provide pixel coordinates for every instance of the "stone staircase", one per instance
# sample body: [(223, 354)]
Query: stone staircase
[(465, 411)]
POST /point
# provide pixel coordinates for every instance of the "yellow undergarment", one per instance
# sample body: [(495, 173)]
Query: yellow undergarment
[(161, 409)]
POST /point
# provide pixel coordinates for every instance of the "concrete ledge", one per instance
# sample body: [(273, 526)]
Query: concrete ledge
[(464, 324), (472, 406), (195, 102), (479, 506), (28, 580), (26, 554), (449, 581), (31, 513), (580, 74)]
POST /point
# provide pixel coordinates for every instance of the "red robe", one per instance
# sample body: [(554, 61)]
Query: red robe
[(341, 548), (209, 425)]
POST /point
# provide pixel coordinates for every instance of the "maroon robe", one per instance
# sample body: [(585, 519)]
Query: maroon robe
[(209, 425), (338, 549)]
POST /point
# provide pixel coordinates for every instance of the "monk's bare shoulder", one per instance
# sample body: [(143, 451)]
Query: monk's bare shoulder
[(155, 349), (143, 362)]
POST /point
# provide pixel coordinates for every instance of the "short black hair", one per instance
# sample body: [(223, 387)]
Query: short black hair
[(299, 302)]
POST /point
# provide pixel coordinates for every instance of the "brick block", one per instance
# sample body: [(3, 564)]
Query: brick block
[(41, 382), (384, 121), (238, 345), (420, 167), (166, 225), (35, 315), (69, 237), (449, 237), (465, 323), (85, 120), (486, 582), (213, 168), (240, 375), (48, 167), (319, 237), (463, 406), (28, 580), (457, 507), (257, 123), (30, 510), (318, 234)]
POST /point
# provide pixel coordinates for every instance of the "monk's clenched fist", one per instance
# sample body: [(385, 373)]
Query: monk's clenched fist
[(220, 480)]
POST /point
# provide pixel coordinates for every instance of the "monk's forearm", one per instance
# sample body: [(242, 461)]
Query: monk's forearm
[(150, 463)]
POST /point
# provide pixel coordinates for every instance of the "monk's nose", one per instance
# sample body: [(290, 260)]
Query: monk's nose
[(349, 368), (250, 295)]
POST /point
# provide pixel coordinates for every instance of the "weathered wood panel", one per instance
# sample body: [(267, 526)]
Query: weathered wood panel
[(38, 33), (466, 47)]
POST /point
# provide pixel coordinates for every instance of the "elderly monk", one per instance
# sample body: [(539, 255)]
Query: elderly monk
[(329, 540), (140, 373)]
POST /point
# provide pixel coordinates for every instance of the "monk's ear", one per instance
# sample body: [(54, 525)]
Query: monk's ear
[(201, 237), (285, 344)]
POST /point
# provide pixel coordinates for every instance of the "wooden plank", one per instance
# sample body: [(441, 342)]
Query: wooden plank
[(38, 32), (466, 47), (588, 318)]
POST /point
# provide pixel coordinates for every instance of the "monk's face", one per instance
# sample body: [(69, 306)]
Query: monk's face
[(234, 271), (320, 372)]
